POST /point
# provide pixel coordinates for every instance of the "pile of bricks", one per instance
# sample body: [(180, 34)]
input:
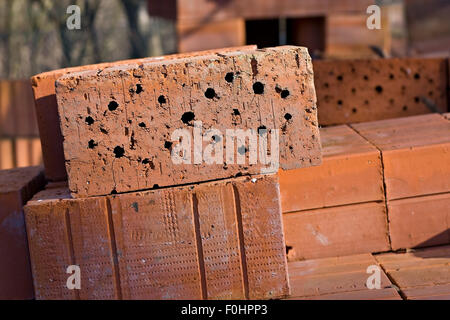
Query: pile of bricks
[(19, 137), (140, 226), (383, 185)]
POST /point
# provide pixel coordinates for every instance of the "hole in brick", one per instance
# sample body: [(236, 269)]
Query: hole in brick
[(340, 78), (326, 85), (262, 129), (366, 77), (161, 99), (354, 110), (284, 94), (379, 89), (391, 76), (430, 93), (92, 144), (258, 88), (113, 105), (339, 102), (89, 120), (242, 150), (405, 108), (288, 116), (142, 125), (187, 117), (417, 99), (168, 145), (139, 88), (104, 131), (353, 90), (229, 77), (114, 191), (416, 76), (210, 93), (155, 186), (288, 248), (119, 152), (236, 112)]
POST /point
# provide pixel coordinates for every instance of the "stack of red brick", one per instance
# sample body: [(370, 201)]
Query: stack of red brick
[(192, 239), (383, 185)]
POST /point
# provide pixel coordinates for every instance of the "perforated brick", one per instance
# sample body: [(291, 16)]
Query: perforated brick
[(118, 125)]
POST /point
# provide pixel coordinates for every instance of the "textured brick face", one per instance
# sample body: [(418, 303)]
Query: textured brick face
[(117, 125), (219, 240), (369, 90), (47, 109)]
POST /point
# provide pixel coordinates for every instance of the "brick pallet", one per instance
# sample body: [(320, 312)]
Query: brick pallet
[(17, 186), (383, 185)]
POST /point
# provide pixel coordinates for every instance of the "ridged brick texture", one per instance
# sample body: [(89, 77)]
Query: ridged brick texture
[(218, 240), (47, 110), (117, 125), (415, 152), (368, 90), (17, 186), (351, 172)]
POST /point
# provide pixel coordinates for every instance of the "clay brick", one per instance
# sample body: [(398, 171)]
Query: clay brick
[(415, 151), (350, 173), (446, 116), (210, 35), (6, 154), (218, 240), (419, 222), (336, 231), (335, 278), (16, 187), (139, 125), (47, 110), (419, 274), (377, 89)]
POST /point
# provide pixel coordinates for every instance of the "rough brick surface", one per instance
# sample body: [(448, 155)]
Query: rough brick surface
[(133, 111), (421, 274), (47, 110), (420, 221), (16, 187), (220, 240), (336, 231), (416, 154), (337, 279), (369, 90), (350, 173)]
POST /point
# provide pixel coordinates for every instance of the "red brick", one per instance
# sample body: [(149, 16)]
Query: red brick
[(336, 231), (416, 154), (97, 171), (419, 222), (16, 187), (413, 272), (210, 240), (6, 154), (350, 173), (434, 292), (47, 109), (368, 90), (334, 278)]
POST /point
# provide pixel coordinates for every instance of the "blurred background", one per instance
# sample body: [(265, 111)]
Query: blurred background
[(34, 38)]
